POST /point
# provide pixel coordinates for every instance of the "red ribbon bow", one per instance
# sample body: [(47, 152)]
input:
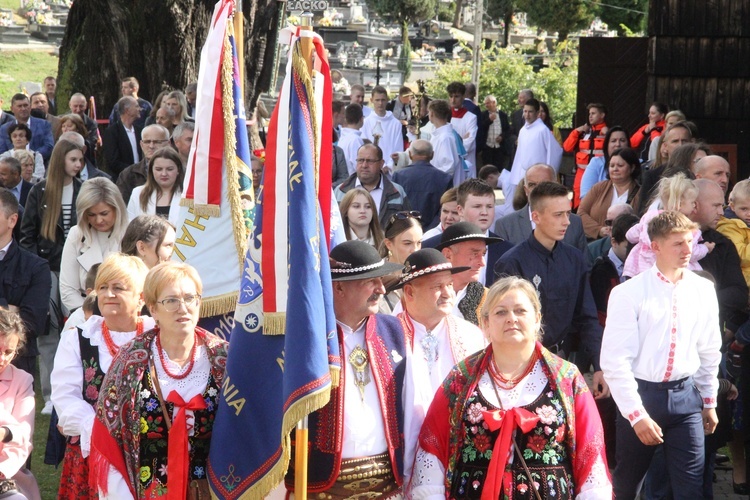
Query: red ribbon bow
[(506, 421), (178, 459)]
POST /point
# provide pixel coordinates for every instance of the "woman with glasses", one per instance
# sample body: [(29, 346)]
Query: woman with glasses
[(85, 355), (16, 413), (403, 237), (161, 193), (169, 376)]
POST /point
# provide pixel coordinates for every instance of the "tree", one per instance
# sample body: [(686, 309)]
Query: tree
[(404, 13), (630, 16), (502, 9), (562, 16), (157, 42)]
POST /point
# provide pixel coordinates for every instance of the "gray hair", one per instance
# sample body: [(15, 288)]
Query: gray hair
[(12, 162), (552, 171), (74, 137), (491, 98), (156, 126), (126, 103), (181, 128), (421, 147)]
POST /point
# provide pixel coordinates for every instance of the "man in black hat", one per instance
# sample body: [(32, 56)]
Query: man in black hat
[(560, 275), (435, 339), (361, 428), (465, 245)]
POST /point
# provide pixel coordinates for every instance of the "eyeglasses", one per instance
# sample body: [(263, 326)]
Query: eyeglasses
[(608, 222), (154, 143), (173, 303), (416, 214), (368, 161)]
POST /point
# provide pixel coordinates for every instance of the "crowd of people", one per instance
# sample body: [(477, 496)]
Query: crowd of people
[(490, 346)]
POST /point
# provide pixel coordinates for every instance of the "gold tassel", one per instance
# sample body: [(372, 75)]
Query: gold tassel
[(274, 323), (206, 210)]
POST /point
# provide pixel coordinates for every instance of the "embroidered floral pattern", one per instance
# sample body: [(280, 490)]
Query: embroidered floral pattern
[(92, 379)]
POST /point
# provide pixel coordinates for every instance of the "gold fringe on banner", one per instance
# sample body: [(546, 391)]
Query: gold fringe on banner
[(220, 304), (335, 376), (233, 163), (274, 323)]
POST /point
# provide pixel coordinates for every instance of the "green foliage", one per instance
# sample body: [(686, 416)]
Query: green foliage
[(409, 11), (563, 16), (446, 11), (404, 59), (626, 22), (497, 9), (505, 71)]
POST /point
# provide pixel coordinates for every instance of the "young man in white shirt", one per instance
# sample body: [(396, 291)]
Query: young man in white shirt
[(660, 356), (382, 128), (350, 139)]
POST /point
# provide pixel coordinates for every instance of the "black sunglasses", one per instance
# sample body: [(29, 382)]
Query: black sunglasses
[(416, 214)]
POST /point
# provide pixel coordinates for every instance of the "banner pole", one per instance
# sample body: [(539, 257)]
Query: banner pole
[(239, 37)]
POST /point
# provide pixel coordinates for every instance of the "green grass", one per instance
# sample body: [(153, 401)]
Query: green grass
[(13, 5), (17, 67), (47, 476)]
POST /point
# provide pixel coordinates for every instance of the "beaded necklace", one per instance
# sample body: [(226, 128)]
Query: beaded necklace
[(110, 343)]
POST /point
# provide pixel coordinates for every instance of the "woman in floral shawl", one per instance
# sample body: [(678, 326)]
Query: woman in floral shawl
[(514, 420), (158, 401), (85, 355)]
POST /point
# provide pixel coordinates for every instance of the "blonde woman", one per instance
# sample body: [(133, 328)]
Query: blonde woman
[(102, 221), (176, 102), (161, 193), (27, 165)]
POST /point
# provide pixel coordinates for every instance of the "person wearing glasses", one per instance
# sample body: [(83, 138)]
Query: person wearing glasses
[(121, 140), (159, 397), (153, 138), (161, 193), (85, 355), (389, 197), (16, 413)]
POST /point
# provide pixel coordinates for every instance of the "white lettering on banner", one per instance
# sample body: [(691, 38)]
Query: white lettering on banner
[(309, 5)]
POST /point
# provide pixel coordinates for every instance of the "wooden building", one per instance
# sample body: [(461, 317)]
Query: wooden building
[(696, 59)]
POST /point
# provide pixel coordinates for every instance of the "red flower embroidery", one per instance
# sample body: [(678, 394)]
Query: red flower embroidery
[(522, 488), (92, 393), (482, 443), (89, 374), (560, 434), (536, 443)]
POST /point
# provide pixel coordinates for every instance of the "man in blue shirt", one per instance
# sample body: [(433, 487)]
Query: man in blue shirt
[(559, 273)]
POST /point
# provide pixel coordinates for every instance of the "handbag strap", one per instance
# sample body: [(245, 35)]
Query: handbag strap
[(157, 386)]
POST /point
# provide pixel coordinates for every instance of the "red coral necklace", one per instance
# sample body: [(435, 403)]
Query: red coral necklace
[(164, 363), (511, 382), (110, 343)]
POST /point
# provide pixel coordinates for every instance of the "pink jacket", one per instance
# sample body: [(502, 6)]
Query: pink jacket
[(641, 257), (17, 414)]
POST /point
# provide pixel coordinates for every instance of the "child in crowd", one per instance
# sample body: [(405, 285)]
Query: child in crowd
[(673, 193), (83, 313), (737, 228)]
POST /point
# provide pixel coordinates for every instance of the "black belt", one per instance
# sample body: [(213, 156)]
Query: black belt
[(665, 386)]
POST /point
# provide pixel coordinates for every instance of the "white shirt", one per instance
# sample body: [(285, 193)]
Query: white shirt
[(466, 127), (135, 209), (617, 200), (350, 141), (421, 382), (364, 428), (377, 193), (4, 250), (391, 141), (536, 144), (76, 416), (433, 232), (647, 314), (133, 142), (617, 262), (445, 156)]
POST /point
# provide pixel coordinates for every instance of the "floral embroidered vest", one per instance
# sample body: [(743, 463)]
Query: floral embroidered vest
[(543, 449), (154, 433), (93, 376)]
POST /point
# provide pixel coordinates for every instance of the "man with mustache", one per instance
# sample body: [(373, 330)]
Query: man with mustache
[(435, 339), (361, 428)]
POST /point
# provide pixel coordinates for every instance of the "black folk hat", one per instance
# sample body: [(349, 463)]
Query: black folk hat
[(464, 231), (357, 260), (424, 262)]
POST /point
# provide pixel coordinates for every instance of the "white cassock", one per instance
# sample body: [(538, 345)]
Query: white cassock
[(391, 141), (536, 144), (466, 127), (452, 340), (350, 141), (445, 155)]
